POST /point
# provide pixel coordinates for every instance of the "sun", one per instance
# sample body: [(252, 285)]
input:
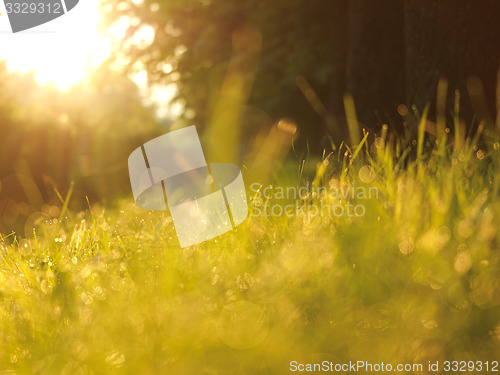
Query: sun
[(59, 53)]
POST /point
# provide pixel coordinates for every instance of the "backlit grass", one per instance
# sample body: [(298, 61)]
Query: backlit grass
[(415, 279)]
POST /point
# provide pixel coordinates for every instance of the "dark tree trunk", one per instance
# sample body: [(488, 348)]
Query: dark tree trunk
[(376, 59), (337, 39), (453, 40)]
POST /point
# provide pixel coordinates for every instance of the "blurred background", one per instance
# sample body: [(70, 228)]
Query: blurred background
[(261, 80)]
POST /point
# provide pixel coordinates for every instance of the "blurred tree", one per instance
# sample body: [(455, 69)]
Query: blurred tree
[(193, 45), (384, 53), (52, 138)]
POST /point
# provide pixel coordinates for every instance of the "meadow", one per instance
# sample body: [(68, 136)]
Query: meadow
[(108, 290)]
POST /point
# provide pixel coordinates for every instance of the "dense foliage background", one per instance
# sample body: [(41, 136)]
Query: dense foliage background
[(384, 53)]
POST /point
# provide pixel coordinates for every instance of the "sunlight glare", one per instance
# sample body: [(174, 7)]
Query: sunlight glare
[(59, 58)]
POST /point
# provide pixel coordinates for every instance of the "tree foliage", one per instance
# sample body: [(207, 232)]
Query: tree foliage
[(383, 53)]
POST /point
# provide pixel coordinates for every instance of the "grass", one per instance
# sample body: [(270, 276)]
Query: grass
[(416, 279)]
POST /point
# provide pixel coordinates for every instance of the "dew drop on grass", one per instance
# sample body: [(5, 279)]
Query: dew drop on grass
[(45, 287), (366, 174), (85, 272), (463, 263), (242, 325), (24, 247), (80, 351), (379, 143), (74, 260), (465, 228), (443, 235), (430, 324), (407, 245), (115, 359), (402, 110), (86, 298)]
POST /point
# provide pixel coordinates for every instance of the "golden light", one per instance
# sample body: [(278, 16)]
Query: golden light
[(63, 52), (59, 52)]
